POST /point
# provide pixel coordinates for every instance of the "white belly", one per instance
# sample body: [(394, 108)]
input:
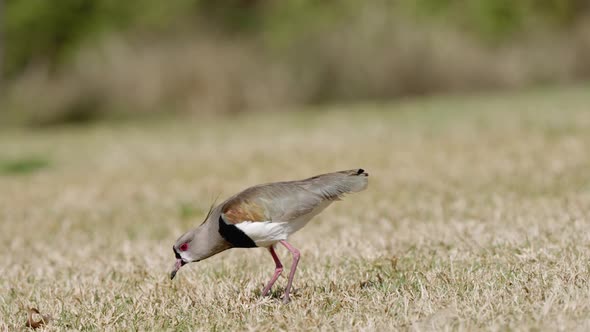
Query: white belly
[(267, 233)]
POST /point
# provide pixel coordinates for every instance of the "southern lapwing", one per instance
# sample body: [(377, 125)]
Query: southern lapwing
[(264, 215)]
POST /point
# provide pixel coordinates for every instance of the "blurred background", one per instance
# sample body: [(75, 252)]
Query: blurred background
[(121, 121), (74, 61)]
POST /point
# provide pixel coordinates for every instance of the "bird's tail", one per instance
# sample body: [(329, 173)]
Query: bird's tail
[(333, 186)]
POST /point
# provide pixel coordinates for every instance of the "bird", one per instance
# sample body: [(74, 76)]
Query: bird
[(264, 216)]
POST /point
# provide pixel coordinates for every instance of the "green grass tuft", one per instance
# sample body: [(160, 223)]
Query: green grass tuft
[(23, 166)]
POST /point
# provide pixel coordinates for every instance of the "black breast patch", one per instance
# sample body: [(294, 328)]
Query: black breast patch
[(235, 236)]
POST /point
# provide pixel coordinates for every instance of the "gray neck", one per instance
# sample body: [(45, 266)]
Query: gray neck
[(209, 238)]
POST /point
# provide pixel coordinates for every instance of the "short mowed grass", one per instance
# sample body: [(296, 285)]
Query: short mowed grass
[(477, 216)]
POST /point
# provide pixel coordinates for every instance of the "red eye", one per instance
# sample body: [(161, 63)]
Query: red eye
[(183, 247)]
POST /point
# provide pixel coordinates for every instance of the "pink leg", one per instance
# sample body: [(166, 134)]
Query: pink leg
[(278, 271), (296, 255)]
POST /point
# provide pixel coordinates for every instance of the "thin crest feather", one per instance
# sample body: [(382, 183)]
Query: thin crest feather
[(211, 208)]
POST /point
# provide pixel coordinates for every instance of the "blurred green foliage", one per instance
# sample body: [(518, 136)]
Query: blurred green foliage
[(50, 31), (497, 19), (23, 166)]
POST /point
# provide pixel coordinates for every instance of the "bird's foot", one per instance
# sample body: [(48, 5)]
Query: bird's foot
[(287, 296)]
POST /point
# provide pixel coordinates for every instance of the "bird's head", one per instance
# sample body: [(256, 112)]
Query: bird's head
[(182, 252), (198, 243)]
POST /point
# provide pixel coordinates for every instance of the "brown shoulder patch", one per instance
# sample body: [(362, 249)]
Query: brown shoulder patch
[(240, 210)]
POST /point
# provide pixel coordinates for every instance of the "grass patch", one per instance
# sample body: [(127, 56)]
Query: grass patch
[(475, 219), (23, 166)]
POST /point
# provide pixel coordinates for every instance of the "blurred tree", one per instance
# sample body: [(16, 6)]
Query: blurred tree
[(50, 31), (233, 15), (40, 30)]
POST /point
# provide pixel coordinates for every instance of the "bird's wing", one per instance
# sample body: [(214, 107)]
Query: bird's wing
[(280, 201), (286, 201), (332, 186)]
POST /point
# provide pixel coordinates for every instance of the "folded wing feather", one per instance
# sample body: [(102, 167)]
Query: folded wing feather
[(271, 212)]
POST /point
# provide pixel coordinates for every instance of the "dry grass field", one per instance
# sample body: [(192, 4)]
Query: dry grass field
[(477, 217)]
